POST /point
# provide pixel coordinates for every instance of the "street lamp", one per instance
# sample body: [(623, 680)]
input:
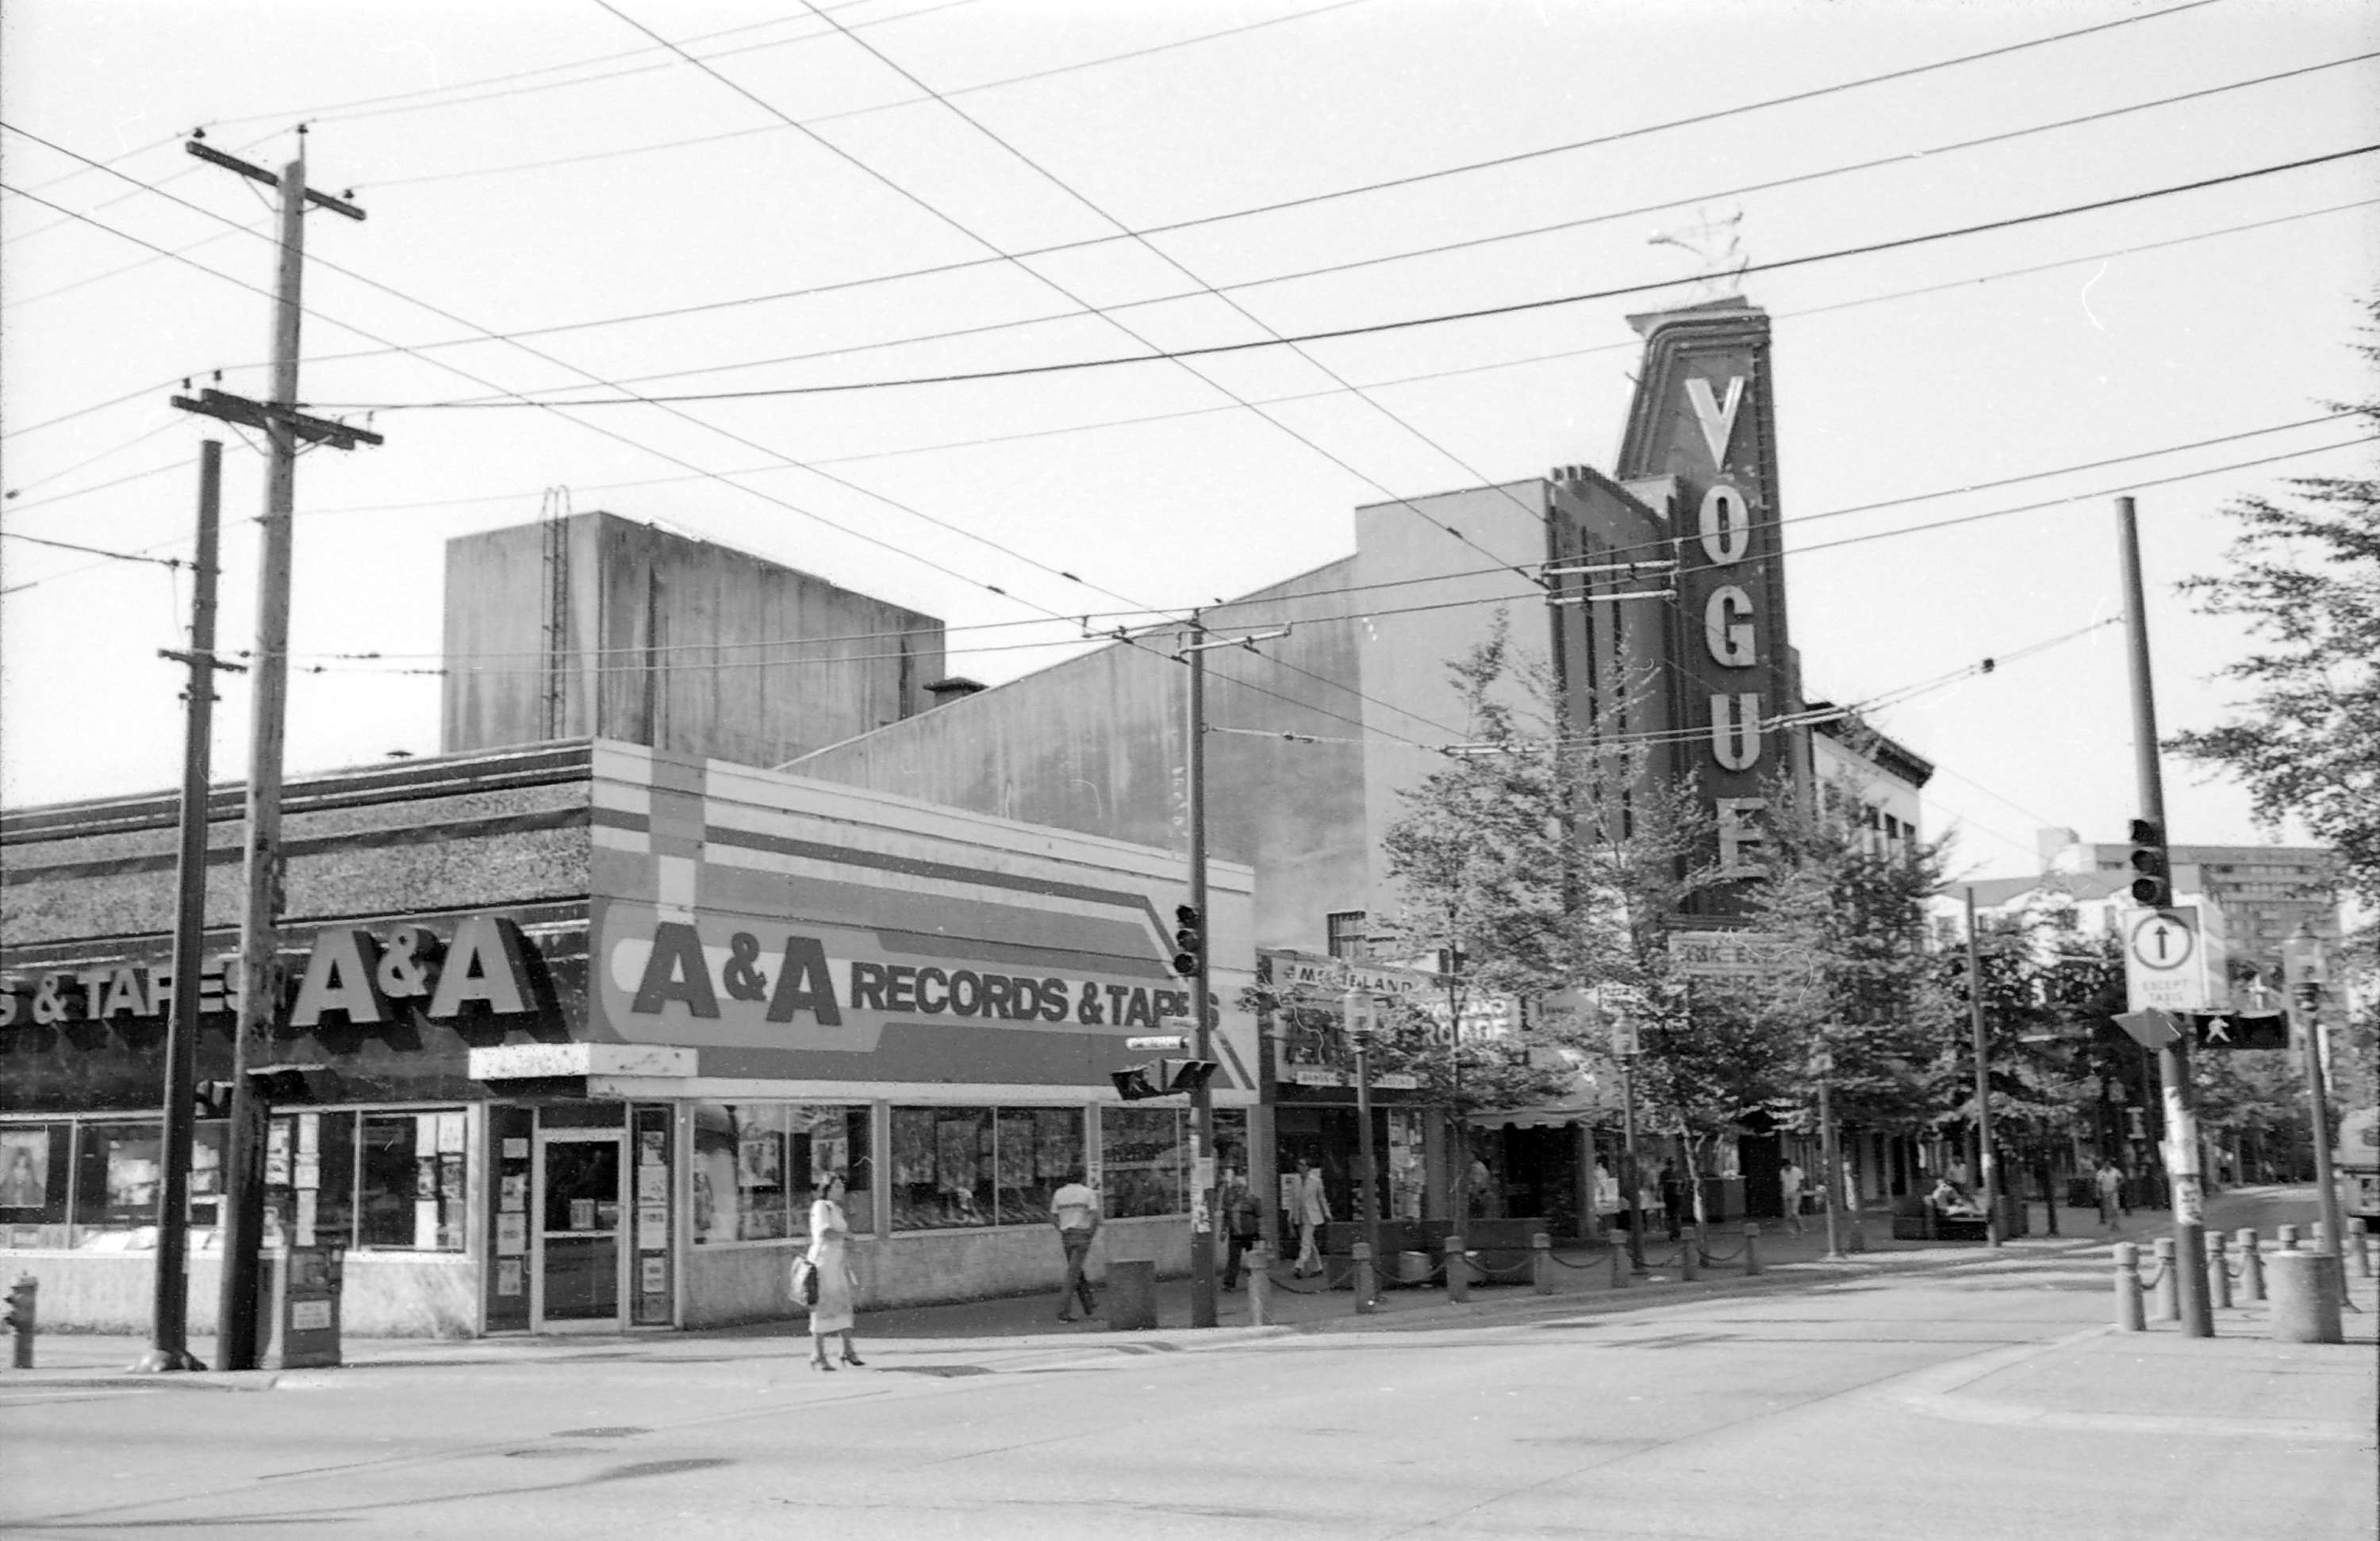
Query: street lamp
[(1362, 1022), (2306, 968)]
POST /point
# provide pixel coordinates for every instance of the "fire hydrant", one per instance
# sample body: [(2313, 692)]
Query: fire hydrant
[(21, 1317)]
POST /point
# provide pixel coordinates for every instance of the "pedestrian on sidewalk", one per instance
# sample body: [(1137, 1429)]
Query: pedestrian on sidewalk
[(1673, 1199), (1075, 1211), (1313, 1213), (1790, 1180), (1244, 1222), (2111, 1193), (830, 1255)]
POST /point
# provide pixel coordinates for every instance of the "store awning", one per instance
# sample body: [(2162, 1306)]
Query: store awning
[(1538, 1118)]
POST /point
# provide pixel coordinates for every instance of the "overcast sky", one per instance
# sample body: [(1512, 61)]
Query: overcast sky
[(548, 168)]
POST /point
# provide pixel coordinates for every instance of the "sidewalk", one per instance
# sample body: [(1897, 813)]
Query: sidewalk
[(1582, 1277)]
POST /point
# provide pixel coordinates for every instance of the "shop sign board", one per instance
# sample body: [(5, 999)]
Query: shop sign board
[(1726, 954), (362, 976)]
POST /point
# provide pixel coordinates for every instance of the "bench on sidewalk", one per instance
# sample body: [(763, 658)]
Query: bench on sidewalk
[(1915, 1218)]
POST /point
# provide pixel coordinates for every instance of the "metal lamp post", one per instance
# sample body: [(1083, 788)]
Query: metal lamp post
[(1362, 1022), (2306, 968)]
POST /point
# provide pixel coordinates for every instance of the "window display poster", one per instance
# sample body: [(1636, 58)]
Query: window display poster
[(515, 1148), (508, 1276), (24, 1168), (653, 1228), (450, 1134), (582, 1214), (512, 1235), (305, 1226), (652, 1184), (310, 1134), (276, 1154), (511, 1193), (307, 1174), (652, 1275)]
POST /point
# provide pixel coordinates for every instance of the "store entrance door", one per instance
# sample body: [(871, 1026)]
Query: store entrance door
[(579, 1272)]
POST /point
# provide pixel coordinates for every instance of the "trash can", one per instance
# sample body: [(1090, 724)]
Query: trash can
[(301, 1302), (1131, 1303)]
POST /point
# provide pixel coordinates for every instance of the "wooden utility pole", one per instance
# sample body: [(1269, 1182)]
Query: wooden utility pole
[(169, 1341), (259, 991)]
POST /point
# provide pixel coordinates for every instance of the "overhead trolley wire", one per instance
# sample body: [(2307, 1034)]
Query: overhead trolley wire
[(1071, 191), (888, 502), (1411, 322), (848, 112), (1799, 179), (1363, 188)]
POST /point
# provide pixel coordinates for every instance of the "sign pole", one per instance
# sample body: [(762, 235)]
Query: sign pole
[(2173, 1062), (1202, 1101), (1986, 1164)]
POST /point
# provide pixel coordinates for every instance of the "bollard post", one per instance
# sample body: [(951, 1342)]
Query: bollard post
[(2219, 1272), (1258, 1262), (22, 1297), (1541, 1259), (2288, 1238), (2362, 1251), (2305, 1294), (1690, 1254), (2252, 1269), (2128, 1289), (2166, 1304), (1858, 1241), (1367, 1292), (1620, 1270), (1458, 1270), (1751, 1249)]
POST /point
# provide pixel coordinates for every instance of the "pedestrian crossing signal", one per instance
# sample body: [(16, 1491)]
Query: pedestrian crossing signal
[(1161, 1078), (2242, 1029), (1136, 1082), (1184, 1076)]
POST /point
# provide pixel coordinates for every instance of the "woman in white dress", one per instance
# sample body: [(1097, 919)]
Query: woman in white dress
[(830, 1255)]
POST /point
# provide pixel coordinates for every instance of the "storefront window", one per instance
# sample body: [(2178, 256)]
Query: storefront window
[(941, 1167), (1040, 1150), (35, 1181), (115, 1177), (758, 1167), (1144, 1161)]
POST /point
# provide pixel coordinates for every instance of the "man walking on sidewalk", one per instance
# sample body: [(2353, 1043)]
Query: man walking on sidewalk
[(1244, 1222), (2111, 1193), (1075, 1211), (1790, 1180)]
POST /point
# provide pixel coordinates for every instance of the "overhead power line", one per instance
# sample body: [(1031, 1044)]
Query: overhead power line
[(1406, 323), (1218, 290), (1353, 192)]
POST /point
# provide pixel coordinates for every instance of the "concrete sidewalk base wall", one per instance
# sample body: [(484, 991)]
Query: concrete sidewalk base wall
[(383, 1296)]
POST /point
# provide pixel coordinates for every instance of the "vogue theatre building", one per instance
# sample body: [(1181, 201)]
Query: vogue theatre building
[(1655, 598), (581, 1026)]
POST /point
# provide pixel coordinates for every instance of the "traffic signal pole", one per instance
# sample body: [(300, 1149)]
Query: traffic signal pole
[(2173, 1060), (1202, 1099)]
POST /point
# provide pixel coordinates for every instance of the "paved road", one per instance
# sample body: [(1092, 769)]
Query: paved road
[(1983, 1400)]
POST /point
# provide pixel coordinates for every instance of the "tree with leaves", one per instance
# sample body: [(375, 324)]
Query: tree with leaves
[(2303, 575), (1540, 865)]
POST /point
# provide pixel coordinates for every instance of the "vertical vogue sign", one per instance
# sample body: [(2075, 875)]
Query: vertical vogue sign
[(1736, 655)]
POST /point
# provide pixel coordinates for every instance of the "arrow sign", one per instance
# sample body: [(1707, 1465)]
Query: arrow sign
[(2151, 1028), (1168, 1042)]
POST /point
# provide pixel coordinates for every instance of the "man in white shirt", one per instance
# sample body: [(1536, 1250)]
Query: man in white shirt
[(1312, 1213), (1790, 1180), (1075, 1211)]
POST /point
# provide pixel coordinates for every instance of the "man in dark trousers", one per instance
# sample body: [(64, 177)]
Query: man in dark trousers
[(1242, 1222), (1075, 1211)]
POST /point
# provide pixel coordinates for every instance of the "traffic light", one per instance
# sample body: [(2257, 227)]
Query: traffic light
[(1161, 1078), (1184, 1075), (1135, 1081), (2152, 876), (1189, 940)]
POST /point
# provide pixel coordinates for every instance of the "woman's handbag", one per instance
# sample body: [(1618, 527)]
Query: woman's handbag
[(805, 1282)]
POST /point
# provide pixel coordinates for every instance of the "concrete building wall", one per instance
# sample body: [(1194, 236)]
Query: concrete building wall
[(670, 642), (1094, 744)]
